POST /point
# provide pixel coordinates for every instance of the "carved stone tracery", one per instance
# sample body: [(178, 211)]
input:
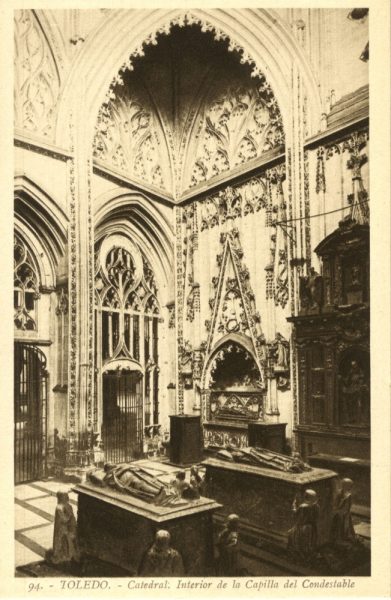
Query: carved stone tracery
[(36, 82), (236, 127), (26, 287), (233, 305)]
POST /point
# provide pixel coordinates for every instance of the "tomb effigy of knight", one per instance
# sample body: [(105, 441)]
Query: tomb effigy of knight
[(136, 481)]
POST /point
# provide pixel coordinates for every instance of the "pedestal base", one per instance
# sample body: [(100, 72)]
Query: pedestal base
[(119, 529)]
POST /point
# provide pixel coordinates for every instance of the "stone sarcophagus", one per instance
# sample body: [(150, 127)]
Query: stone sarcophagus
[(263, 497), (119, 529)]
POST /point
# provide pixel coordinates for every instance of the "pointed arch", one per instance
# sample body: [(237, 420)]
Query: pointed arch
[(42, 224), (260, 37)]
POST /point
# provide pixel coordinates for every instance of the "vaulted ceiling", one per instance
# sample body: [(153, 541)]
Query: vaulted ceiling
[(187, 112)]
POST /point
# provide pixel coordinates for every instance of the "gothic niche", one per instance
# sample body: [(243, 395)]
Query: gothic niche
[(235, 385), (354, 388)]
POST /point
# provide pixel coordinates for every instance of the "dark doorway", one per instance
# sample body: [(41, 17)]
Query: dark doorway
[(30, 396), (122, 428)]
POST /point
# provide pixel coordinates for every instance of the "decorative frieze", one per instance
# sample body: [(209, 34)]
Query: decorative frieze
[(234, 202)]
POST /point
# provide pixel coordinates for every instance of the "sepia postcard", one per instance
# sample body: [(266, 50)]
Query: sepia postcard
[(196, 363)]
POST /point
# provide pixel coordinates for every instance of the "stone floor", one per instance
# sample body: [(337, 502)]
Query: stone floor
[(34, 513), (35, 504)]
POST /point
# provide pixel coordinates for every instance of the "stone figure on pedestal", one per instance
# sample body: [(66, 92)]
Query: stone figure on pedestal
[(303, 537), (342, 530), (65, 549), (228, 563), (162, 560)]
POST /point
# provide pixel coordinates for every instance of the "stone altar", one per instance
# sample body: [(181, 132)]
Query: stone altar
[(119, 529), (263, 497)]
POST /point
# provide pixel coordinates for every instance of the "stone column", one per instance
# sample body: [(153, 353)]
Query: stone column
[(81, 410)]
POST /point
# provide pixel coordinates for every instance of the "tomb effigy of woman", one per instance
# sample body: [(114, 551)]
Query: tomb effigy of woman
[(265, 458), (122, 507)]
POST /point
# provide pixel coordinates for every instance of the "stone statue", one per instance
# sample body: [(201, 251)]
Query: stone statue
[(179, 483), (183, 488), (196, 481), (355, 390), (311, 290), (65, 548), (303, 537), (228, 563), (261, 457), (135, 481), (282, 353), (161, 560), (342, 530)]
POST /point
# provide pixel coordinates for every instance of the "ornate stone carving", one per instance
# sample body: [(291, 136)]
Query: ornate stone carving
[(222, 438), (186, 364), (320, 171), (26, 287), (128, 138), (36, 82), (237, 126), (73, 346), (233, 305), (279, 361), (231, 405), (171, 315), (180, 291), (62, 303), (234, 202), (277, 286)]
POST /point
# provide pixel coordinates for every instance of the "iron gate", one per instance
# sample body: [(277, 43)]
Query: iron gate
[(30, 400), (122, 428)]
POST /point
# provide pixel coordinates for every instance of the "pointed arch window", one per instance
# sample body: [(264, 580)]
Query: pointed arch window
[(128, 313), (26, 287)]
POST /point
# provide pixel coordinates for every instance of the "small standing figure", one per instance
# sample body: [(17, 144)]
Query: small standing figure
[(65, 548), (162, 560), (196, 481), (229, 552), (342, 530), (180, 484), (303, 537)]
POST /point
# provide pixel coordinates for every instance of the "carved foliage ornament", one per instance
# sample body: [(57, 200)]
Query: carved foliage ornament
[(238, 126), (235, 127), (234, 202), (127, 138), (36, 82)]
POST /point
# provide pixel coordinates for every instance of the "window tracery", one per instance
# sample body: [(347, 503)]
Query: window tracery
[(26, 287), (128, 314)]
